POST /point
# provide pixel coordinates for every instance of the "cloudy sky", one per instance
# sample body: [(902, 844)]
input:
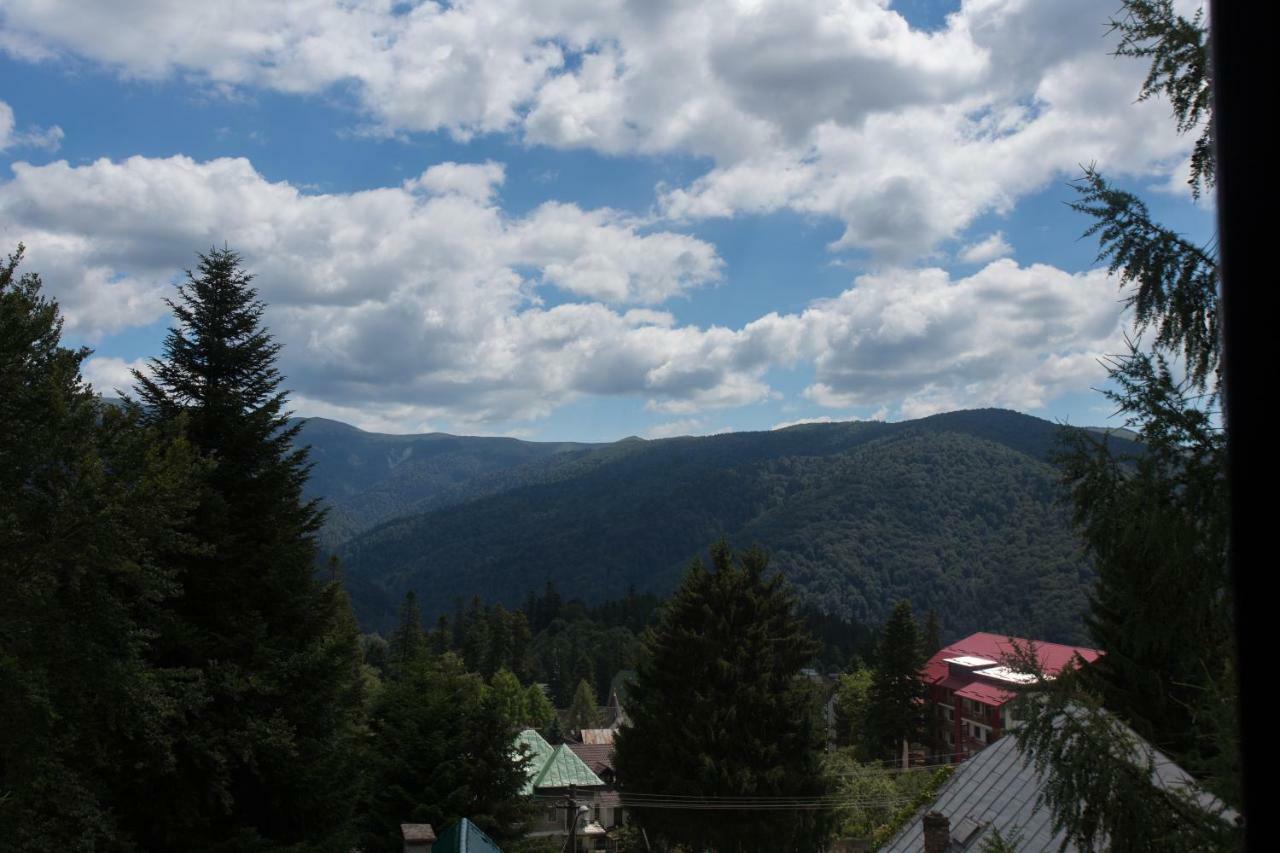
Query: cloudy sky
[(585, 219)]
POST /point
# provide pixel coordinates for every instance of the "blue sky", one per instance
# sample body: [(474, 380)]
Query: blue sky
[(565, 220)]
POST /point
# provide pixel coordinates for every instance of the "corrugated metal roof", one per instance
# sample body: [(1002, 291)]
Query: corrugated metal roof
[(464, 837), (986, 693), (996, 647), (996, 789), (564, 769), (999, 789)]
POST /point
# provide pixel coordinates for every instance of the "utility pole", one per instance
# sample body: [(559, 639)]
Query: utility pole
[(577, 811)]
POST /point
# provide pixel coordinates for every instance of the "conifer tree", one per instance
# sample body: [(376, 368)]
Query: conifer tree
[(267, 763), (1156, 528), (894, 715), (584, 712), (90, 502), (407, 639), (718, 710), (539, 712)]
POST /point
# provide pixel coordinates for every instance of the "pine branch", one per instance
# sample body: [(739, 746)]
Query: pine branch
[(1180, 70), (1175, 282)]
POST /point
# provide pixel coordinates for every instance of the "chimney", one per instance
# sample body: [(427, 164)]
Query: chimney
[(418, 837), (937, 833)]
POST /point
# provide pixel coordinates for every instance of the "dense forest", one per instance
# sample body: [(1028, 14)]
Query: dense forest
[(959, 513)]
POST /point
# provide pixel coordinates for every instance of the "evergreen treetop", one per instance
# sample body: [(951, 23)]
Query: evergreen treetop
[(895, 714), (269, 762), (717, 709)]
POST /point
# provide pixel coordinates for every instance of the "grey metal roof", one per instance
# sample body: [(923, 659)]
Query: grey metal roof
[(996, 789), (999, 789)]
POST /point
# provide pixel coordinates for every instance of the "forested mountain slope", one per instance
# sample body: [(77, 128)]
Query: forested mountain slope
[(366, 478), (957, 512)]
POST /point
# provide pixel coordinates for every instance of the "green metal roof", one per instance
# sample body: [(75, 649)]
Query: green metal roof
[(464, 837), (553, 767), (565, 769), (540, 752)]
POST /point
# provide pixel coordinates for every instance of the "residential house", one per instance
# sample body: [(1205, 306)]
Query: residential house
[(558, 780), (970, 686), (606, 807)]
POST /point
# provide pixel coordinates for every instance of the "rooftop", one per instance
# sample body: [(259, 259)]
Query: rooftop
[(553, 767), (464, 837), (983, 654)]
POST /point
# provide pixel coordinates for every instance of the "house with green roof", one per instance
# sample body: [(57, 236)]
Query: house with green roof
[(556, 774)]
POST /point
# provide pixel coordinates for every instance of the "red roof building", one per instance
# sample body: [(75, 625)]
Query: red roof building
[(969, 683)]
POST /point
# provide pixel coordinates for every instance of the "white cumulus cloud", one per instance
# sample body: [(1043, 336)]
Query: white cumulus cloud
[(836, 107), (422, 306)]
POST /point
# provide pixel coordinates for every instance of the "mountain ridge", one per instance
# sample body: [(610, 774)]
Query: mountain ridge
[(600, 518)]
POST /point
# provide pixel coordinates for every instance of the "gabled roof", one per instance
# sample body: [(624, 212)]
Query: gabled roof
[(999, 789), (599, 757), (464, 837), (996, 789)]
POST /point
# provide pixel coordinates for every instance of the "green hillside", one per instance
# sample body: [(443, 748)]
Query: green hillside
[(365, 478), (957, 512)]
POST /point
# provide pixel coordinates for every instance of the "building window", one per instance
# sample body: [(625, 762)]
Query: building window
[(552, 815)]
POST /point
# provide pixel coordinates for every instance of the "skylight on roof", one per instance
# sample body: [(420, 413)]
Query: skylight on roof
[(969, 660), (1004, 673)]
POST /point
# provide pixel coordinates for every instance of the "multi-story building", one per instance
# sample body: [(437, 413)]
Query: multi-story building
[(970, 685)]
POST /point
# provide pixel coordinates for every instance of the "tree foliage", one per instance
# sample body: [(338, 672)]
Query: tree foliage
[(895, 702), (90, 503), (268, 761), (718, 710), (1155, 526), (584, 712), (442, 749), (1178, 48), (956, 512)]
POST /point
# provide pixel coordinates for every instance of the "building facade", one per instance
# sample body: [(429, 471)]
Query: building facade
[(970, 686)]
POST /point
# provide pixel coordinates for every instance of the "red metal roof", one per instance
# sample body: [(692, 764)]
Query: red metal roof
[(1053, 657), (954, 682), (988, 694)]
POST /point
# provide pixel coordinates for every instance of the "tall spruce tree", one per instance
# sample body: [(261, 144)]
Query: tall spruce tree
[(89, 502), (407, 639), (894, 715), (1156, 528), (267, 763), (718, 709)]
